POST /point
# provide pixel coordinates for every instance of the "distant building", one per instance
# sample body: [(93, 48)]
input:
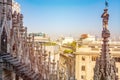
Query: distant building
[(67, 40), (40, 37), (87, 38)]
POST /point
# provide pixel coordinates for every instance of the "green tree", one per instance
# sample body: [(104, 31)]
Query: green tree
[(73, 45), (68, 51)]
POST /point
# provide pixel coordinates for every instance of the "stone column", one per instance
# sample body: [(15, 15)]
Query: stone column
[(1, 70)]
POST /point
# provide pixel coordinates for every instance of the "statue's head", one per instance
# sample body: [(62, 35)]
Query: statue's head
[(106, 10)]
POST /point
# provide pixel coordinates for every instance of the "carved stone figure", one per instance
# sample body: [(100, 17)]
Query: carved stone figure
[(105, 17), (21, 20), (18, 17), (9, 15), (14, 17)]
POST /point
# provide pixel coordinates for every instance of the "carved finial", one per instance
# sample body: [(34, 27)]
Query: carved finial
[(14, 16), (18, 17), (21, 20), (21, 16)]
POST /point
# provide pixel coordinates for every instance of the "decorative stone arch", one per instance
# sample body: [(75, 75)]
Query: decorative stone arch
[(4, 41)]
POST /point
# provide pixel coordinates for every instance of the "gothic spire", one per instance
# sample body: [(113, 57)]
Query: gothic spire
[(105, 68)]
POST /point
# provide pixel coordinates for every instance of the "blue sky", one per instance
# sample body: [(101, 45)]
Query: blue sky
[(69, 17)]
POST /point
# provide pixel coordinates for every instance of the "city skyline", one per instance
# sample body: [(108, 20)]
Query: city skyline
[(69, 17)]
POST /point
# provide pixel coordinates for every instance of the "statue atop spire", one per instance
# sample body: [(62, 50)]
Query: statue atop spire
[(105, 16)]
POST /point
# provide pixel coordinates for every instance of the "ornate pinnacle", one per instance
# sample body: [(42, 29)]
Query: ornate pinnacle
[(105, 68)]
